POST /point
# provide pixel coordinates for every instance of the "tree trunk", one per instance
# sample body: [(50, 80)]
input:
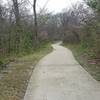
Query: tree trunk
[(16, 11), (35, 22), (18, 26)]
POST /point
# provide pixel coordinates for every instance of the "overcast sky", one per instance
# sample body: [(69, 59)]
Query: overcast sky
[(56, 5)]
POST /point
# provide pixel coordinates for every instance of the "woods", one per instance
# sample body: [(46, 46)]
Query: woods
[(12, 32), (21, 29)]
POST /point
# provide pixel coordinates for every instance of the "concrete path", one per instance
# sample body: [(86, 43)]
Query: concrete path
[(58, 76)]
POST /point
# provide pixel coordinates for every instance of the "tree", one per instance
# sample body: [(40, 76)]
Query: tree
[(95, 5), (35, 21), (16, 11)]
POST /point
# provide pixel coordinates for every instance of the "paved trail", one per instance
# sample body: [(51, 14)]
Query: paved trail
[(58, 76)]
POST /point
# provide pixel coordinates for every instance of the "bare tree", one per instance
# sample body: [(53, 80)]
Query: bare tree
[(35, 21), (17, 18), (16, 11)]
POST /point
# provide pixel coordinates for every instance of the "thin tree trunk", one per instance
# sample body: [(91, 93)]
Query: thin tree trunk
[(18, 26), (35, 22), (9, 31), (16, 11)]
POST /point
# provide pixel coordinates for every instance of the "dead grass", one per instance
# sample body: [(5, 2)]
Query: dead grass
[(14, 79)]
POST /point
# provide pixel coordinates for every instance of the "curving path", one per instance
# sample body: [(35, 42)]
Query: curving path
[(58, 76)]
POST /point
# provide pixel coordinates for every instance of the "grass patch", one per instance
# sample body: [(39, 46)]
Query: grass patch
[(14, 78), (85, 57)]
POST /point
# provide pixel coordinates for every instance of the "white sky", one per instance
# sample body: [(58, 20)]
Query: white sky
[(56, 5)]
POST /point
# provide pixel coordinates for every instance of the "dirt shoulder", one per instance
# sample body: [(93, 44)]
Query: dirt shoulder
[(14, 79)]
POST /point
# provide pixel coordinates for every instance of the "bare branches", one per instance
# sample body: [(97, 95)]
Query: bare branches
[(44, 6)]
